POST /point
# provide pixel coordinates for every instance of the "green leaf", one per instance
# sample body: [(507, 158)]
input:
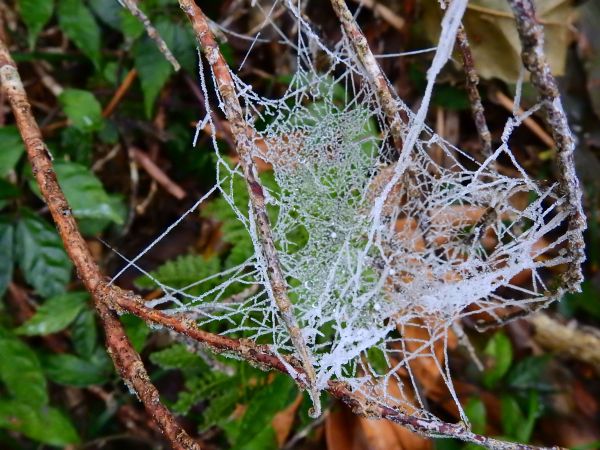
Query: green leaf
[(475, 411), (12, 149), (55, 314), (21, 372), (515, 424), (272, 398), (499, 351), (71, 370), (41, 256), (35, 14), (85, 193), (84, 333), (82, 109), (153, 69), (529, 373), (177, 357), (7, 252), (108, 11), (137, 330), (78, 23), (46, 425)]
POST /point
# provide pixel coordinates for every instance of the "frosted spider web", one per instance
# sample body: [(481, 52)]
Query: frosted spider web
[(383, 249)]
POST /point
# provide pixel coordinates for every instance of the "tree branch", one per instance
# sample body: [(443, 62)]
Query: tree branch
[(531, 35), (126, 359), (244, 137)]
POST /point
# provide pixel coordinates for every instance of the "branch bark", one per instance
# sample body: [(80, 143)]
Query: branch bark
[(531, 35), (126, 359), (244, 137)]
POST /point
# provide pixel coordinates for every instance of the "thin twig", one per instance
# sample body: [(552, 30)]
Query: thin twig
[(126, 359), (134, 9), (397, 119), (120, 92), (157, 174), (386, 13), (243, 137), (472, 81), (534, 60)]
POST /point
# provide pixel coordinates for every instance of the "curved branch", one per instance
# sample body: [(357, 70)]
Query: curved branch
[(126, 359)]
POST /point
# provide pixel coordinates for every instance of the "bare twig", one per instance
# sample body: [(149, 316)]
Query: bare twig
[(532, 41), (124, 356), (386, 13), (243, 137), (134, 9), (120, 93), (158, 174), (472, 80)]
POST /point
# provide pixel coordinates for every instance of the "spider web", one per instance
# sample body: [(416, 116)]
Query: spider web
[(383, 249)]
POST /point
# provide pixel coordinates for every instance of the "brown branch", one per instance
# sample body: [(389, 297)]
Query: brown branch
[(472, 81), (120, 93), (157, 174), (244, 137), (532, 41), (127, 361)]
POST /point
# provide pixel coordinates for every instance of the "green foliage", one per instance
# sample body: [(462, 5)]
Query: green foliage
[(137, 330), (84, 333), (518, 422), (79, 25), (72, 370), (40, 255), (475, 411), (47, 425), (12, 148), (182, 272), (21, 372), (499, 352), (35, 14), (82, 109), (55, 314), (7, 252)]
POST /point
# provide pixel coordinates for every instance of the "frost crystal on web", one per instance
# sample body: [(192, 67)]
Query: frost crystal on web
[(383, 249)]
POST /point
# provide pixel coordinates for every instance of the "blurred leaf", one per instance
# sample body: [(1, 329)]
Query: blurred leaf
[(494, 39), (137, 330), (475, 411), (12, 148), (177, 356), (450, 97), (499, 351), (528, 373), (515, 424), (130, 25), (41, 256), (7, 252), (78, 23), (84, 333), (109, 12), (21, 372), (47, 425), (588, 300), (77, 144), (35, 14), (71, 370), (82, 109), (55, 314), (8, 190)]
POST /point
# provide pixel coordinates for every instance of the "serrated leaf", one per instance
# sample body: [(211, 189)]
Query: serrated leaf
[(41, 256), (84, 333), (55, 314), (176, 357), (47, 425), (7, 252), (12, 148), (35, 14), (78, 23), (71, 370), (82, 109), (21, 372), (182, 272)]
